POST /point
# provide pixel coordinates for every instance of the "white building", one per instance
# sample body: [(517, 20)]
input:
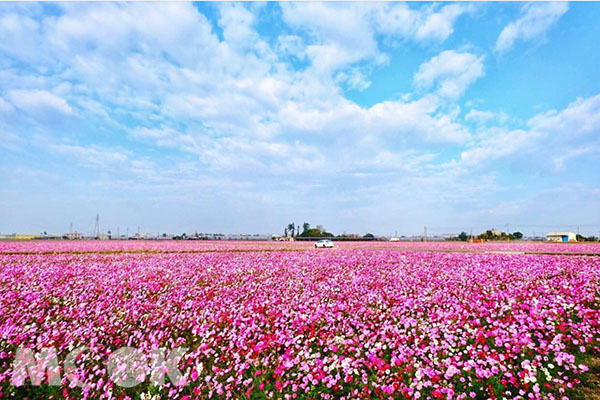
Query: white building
[(74, 235), (561, 237), (496, 232), (279, 238)]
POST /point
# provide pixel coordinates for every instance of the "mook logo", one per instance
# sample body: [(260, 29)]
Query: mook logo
[(126, 367)]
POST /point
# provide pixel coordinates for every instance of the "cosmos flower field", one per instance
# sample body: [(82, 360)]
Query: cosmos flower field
[(289, 321)]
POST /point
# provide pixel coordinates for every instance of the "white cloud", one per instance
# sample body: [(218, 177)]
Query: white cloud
[(161, 28), (580, 120), (21, 36), (535, 20), (417, 121), (37, 102), (556, 136), (237, 24), (411, 123), (354, 78), (217, 91), (238, 111), (561, 159), (340, 34), (450, 73), (409, 161), (430, 23), (344, 34), (484, 117), (439, 25), (479, 116), (499, 144)]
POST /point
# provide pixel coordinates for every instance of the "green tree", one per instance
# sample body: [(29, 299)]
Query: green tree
[(487, 235), (518, 235), (305, 227), (463, 237), (291, 228)]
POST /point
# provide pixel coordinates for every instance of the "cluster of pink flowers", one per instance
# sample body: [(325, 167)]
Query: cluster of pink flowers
[(178, 246), (358, 321)]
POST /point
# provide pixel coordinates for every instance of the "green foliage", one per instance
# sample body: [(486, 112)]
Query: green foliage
[(305, 227), (308, 232), (290, 229), (314, 232), (496, 235)]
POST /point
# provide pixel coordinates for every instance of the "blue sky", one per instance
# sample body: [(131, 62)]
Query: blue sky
[(242, 117)]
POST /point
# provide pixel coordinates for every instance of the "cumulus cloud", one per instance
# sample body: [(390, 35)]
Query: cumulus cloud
[(236, 103), (237, 24), (484, 117), (450, 73), (39, 102), (344, 34), (354, 78), (535, 20), (580, 120), (557, 136), (499, 144), (479, 116), (223, 102), (432, 23), (341, 35), (439, 25)]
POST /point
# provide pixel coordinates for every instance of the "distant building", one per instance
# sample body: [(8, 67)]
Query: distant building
[(143, 236), (447, 236), (74, 235), (20, 236), (496, 232), (279, 238), (561, 237)]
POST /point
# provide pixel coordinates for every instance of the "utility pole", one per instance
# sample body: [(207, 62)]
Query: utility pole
[(71, 228), (507, 233), (118, 234), (97, 227), (424, 233)]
